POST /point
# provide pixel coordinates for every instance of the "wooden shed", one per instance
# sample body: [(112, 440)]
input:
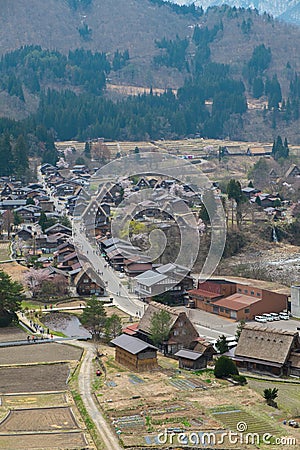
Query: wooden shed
[(134, 353), (191, 360)]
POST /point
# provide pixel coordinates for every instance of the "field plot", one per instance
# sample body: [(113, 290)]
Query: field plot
[(232, 416), (12, 334), (52, 441), (35, 401), (39, 419), (35, 353), (37, 378)]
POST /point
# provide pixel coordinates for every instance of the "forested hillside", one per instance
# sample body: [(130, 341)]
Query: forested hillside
[(236, 73)]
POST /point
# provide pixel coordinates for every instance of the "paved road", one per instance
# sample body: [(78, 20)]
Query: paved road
[(123, 299), (84, 382)]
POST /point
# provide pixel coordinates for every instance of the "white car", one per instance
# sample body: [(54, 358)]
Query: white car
[(260, 319), (275, 316), (284, 316), (268, 317)]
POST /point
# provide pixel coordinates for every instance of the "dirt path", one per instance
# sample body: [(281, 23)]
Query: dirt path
[(84, 381)]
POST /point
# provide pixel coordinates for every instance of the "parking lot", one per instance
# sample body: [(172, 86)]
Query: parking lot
[(211, 326)]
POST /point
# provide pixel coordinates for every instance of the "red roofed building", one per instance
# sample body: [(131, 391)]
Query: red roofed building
[(236, 300), (131, 330)]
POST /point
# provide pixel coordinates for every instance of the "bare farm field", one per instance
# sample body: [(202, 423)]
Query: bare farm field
[(47, 441), (36, 378), (12, 334), (39, 419), (44, 400), (38, 353)]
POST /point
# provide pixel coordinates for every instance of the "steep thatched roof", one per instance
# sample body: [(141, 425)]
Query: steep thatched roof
[(153, 308), (267, 344)]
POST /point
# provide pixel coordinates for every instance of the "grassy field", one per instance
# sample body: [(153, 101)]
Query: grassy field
[(288, 395), (4, 251)]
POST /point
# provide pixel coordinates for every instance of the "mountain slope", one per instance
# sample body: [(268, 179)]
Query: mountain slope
[(116, 24), (287, 10)]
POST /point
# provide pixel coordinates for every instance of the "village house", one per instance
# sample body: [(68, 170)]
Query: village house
[(182, 332), (268, 350), (87, 285), (134, 353), (169, 278), (292, 172)]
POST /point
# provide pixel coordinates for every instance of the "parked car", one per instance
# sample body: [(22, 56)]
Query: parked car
[(284, 316), (268, 317), (260, 319), (275, 316)]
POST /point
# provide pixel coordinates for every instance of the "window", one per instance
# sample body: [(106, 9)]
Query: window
[(258, 294), (227, 310), (247, 310), (176, 332), (246, 291), (239, 290), (221, 309), (252, 292)]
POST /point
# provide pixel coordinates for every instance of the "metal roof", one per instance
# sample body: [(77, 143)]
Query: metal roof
[(188, 354), (131, 344)]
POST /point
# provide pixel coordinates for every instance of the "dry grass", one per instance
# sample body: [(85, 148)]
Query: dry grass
[(15, 270)]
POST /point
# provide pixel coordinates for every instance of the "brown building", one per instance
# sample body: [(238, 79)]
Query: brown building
[(182, 332), (236, 300), (190, 360), (264, 349), (87, 285), (134, 353)]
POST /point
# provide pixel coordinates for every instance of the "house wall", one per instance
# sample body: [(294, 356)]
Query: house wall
[(225, 289), (183, 332), (141, 362), (192, 365)]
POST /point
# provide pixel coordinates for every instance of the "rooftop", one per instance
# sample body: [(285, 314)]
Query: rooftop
[(131, 344)]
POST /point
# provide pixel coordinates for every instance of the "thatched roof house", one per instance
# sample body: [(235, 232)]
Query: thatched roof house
[(265, 349), (182, 332)]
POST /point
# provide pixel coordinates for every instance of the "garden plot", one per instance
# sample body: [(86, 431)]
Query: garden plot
[(38, 353), (134, 379), (125, 422), (52, 441), (37, 378), (39, 419), (184, 384), (230, 417)]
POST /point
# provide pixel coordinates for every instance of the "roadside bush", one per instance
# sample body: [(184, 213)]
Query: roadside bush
[(7, 318), (239, 379), (225, 367)]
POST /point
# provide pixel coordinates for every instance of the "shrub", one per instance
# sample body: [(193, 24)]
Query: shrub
[(224, 367), (240, 379)]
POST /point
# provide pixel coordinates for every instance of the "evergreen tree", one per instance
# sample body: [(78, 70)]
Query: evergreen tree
[(94, 317), (21, 156), (11, 295), (87, 149), (6, 156), (222, 345), (225, 367)]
